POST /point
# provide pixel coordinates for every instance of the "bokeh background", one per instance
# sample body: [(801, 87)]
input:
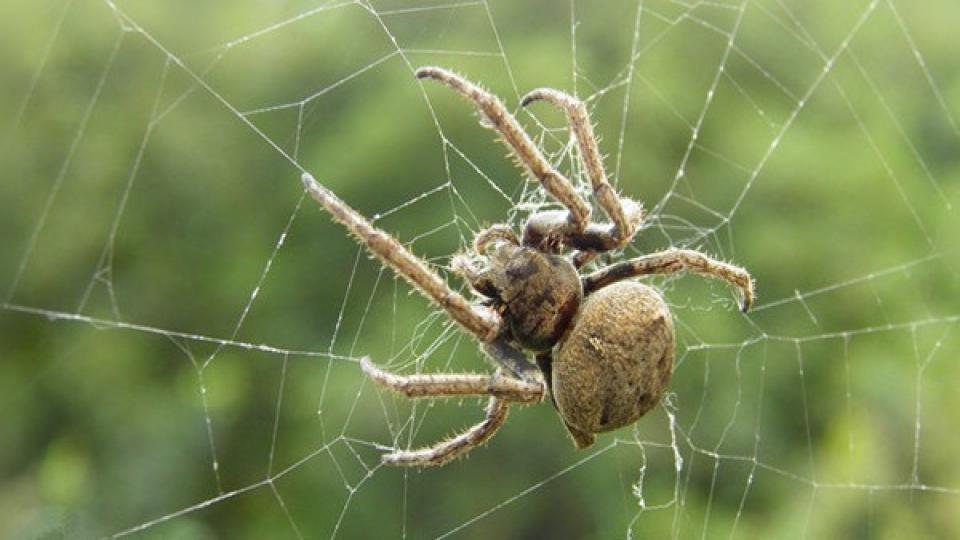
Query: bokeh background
[(180, 328)]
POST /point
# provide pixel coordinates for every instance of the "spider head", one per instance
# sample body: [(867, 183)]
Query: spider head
[(539, 292)]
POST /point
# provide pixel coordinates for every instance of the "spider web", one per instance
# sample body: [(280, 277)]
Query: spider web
[(181, 327)]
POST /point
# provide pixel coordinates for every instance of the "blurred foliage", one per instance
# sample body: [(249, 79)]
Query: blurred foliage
[(146, 195)]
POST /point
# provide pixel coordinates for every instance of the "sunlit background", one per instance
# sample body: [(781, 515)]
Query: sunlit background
[(180, 327)]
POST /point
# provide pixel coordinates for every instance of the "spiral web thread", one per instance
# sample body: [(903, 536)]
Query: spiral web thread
[(682, 436)]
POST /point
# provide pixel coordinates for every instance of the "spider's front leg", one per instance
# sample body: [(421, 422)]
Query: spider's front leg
[(547, 231), (527, 155), (480, 321), (625, 215), (669, 262)]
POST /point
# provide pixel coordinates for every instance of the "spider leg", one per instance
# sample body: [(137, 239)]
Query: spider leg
[(455, 384), (669, 262), (508, 356), (524, 150), (624, 214), (483, 323), (457, 445), (544, 229), (503, 391)]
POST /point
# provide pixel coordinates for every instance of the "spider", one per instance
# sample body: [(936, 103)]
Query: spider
[(603, 347)]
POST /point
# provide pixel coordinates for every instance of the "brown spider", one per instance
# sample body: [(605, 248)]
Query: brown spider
[(604, 347)]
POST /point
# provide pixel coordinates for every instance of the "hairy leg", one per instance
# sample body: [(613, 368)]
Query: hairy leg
[(482, 322), (455, 385), (669, 262), (503, 391), (547, 230), (624, 214), (523, 149), (457, 445)]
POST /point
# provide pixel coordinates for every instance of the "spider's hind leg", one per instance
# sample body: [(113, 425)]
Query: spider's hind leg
[(455, 384), (503, 391), (456, 446)]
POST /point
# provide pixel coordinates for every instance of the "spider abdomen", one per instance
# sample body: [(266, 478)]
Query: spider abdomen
[(616, 362)]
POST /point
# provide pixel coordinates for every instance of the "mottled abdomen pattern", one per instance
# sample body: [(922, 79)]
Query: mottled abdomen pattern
[(616, 363)]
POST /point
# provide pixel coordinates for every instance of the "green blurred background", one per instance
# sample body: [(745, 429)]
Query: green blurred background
[(172, 302)]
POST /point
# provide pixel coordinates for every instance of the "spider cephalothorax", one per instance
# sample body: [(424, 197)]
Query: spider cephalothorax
[(538, 293), (603, 347)]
